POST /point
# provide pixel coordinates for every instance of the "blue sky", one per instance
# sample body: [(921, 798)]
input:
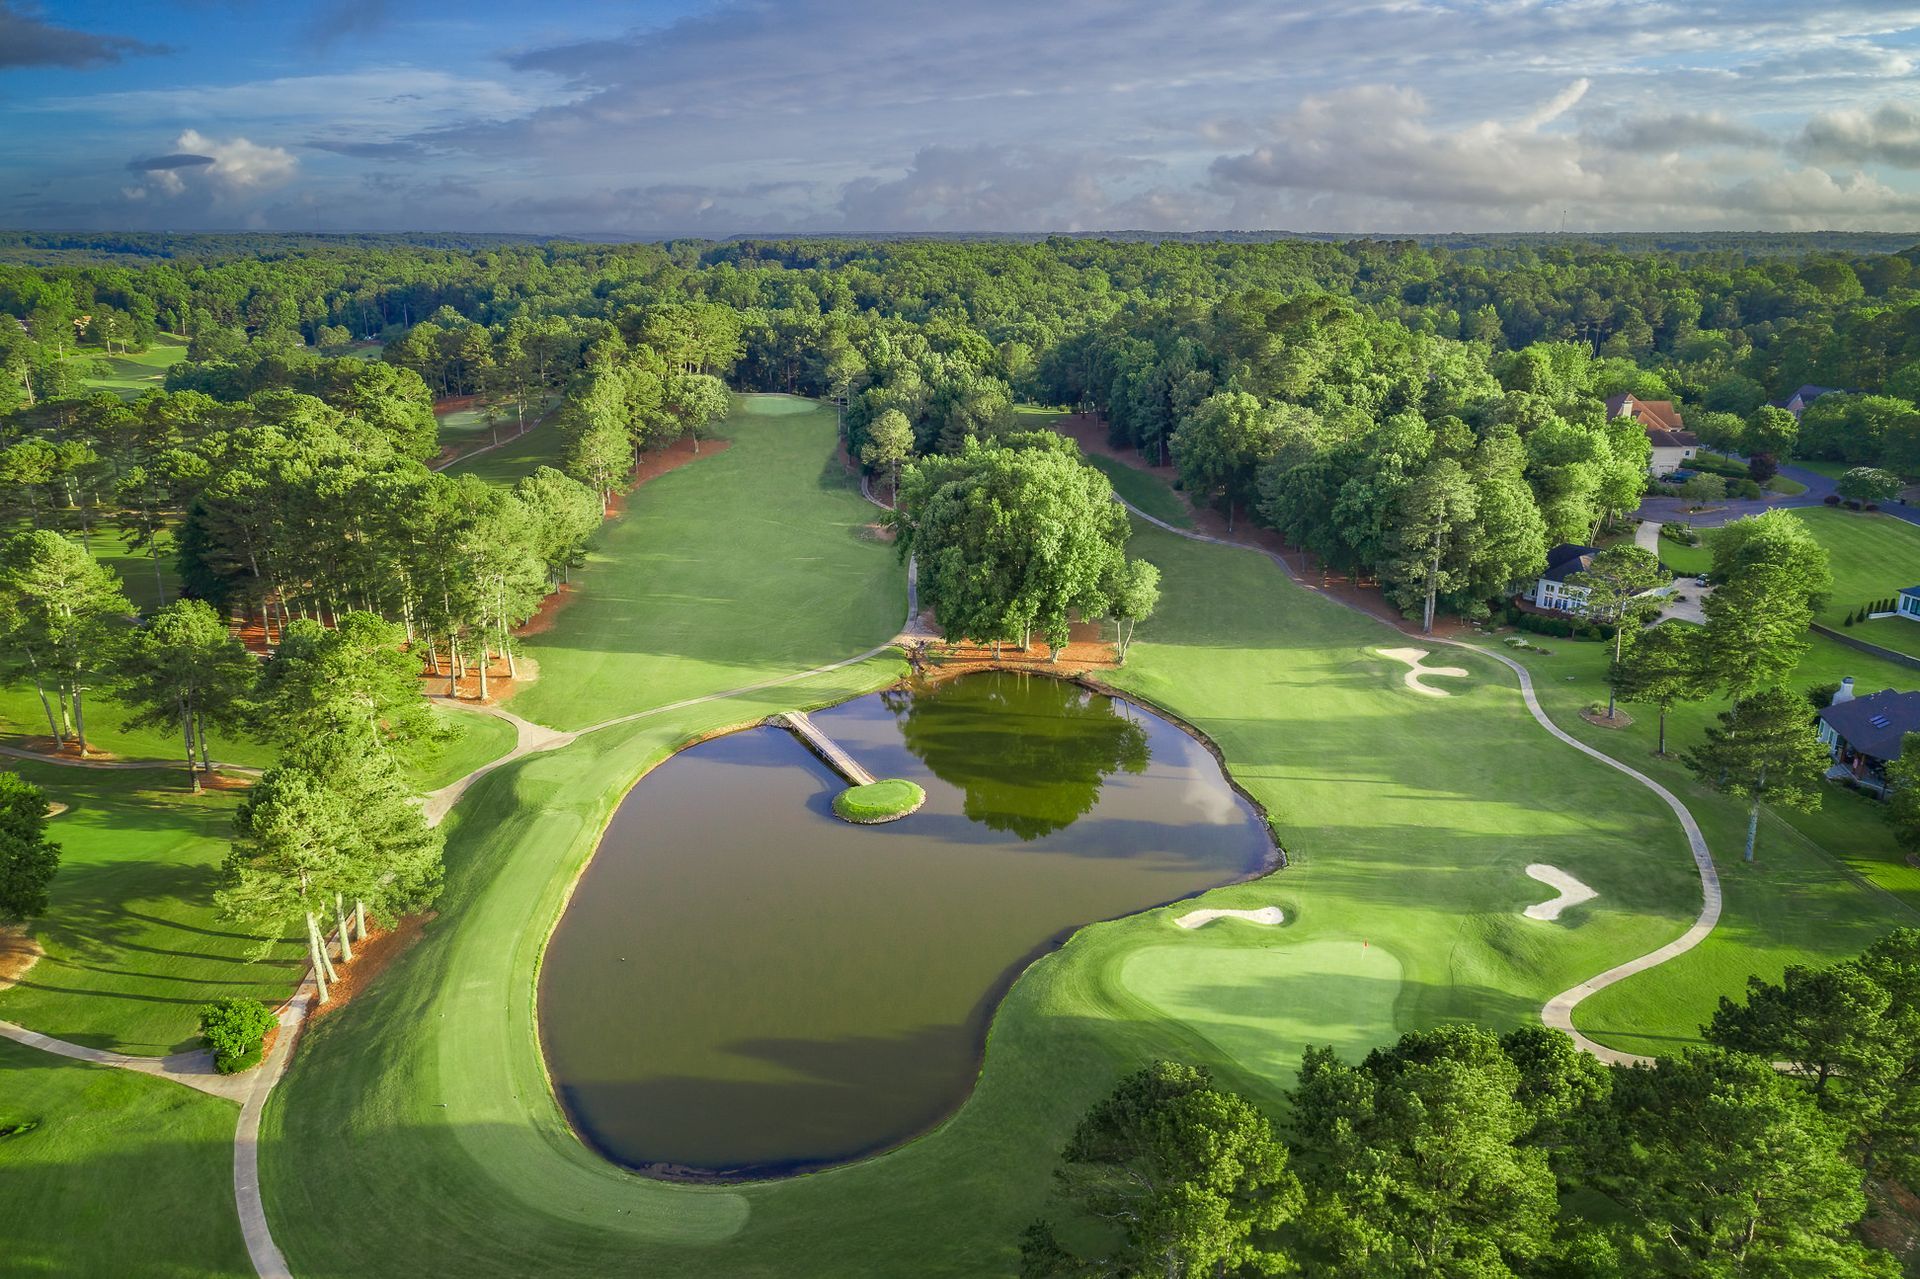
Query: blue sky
[(588, 116)]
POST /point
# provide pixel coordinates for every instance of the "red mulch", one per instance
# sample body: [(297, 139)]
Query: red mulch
[(672, 458), (370, 958), (1085, 651), (62, 750), (1090, 432), (455, 404), (467, 689), (549, 610)]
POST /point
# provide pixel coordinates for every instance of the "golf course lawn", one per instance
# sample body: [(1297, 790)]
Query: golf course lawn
[(120, 1174), (131, 375), (521, 455), (437, 1065), (133, 947), (416, 1132), (744, 565), (1142, 489), (1822, 886)]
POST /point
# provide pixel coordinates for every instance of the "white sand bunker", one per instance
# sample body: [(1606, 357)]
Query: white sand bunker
[(1572, 892), (1416, 658), (1264, 915)]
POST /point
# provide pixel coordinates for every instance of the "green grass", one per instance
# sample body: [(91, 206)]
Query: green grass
[(746, 564), (21, 715), (476, 739), (879, 801), (1785, 487), (133, 375), (541, 446), (119, 1175), (1832, 470), (1872, 556), (1683, 559), (132, 944), (1823, 886), (1144, 490), (1408, 820)]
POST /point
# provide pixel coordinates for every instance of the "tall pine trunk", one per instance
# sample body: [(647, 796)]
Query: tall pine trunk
[(340, 920), (317, 956)]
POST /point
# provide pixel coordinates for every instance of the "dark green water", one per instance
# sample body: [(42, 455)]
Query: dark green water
[(744, 985)]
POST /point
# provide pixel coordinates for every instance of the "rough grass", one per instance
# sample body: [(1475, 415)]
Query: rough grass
[(879, 801), (520, 456), (1143, 489), (120, 1174), (133, 947)]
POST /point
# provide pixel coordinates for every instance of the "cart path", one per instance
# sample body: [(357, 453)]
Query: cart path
[(1558, 1011)]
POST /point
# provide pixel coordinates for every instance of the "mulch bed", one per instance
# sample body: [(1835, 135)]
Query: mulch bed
[(1085, 651), (44, 745), (370, 958), (18, 952), (1619, 719), (455, 404)]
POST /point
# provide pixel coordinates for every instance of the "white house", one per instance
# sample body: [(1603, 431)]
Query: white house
[(1909, 605), (1673, 445), (1552, 590)]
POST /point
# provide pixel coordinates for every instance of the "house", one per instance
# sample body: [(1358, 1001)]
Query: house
[(1552, 590), (1673, 444), (1798, 401), (1909, 605), (1864, 734)]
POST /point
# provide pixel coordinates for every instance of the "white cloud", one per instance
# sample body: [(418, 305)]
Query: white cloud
[(1887, 135), (238, 163)]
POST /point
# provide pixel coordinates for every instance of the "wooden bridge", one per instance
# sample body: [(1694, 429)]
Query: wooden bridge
[(803, 727)]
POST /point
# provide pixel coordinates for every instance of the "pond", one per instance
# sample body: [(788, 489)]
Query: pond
[(745, 986)]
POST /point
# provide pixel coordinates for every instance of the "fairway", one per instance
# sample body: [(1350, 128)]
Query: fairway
[(1262, 1007), (130, 374), (743, 565)]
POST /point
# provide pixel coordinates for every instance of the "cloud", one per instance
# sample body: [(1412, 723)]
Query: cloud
[(234, 166), (1683, 131), (26, 41), (179, 160), (1889, 135), (403, 152)]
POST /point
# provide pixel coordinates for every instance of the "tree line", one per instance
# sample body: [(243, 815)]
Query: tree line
[(1456, 1152)]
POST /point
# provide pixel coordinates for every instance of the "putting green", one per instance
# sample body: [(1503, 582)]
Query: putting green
[(1263, 1005)]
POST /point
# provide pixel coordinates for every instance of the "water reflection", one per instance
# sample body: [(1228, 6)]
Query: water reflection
[(1029, 753), (743, 985)]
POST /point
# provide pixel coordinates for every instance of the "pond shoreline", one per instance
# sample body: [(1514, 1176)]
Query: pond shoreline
[(1272, 858)]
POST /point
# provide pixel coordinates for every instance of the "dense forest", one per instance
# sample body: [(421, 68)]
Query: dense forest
[(1428, 414)]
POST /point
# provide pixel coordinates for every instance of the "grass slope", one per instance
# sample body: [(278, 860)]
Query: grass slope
[(744, 565), (1872, 557), (132, 945), (120, 1174)]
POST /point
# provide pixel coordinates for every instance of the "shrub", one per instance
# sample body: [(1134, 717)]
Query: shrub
[(1743, 488), (1831, 499), (1850, 619), (1685, 534), (235, 1029)]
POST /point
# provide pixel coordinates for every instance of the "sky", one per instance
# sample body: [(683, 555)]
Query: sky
[(656, 119)]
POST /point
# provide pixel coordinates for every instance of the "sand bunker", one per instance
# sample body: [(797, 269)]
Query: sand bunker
[(1572, 892), (1264, 915), (1416, 658)]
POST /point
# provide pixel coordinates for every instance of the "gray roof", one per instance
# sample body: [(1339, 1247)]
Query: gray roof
[(1910, 590), (1875, 724), (1566, 559)]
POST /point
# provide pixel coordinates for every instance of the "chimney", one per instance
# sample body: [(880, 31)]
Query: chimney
[(1845, 694)]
